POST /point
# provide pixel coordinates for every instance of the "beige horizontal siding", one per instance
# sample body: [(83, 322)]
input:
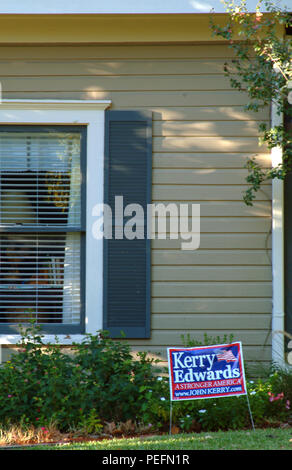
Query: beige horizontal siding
[(227, 208), (207, 128), (199, 176), (211, 273), (211, 257), (229, 306), (108, 52), (202, 139), (207, 160), (131, 67), (116, 83), (205, 192), (215, 241), (137, 99), (207, 144), (180, 321), (208, 290), (229, 225), (207, 113), (248, 337)]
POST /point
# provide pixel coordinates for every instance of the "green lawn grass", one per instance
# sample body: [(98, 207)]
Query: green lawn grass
[(260, 439)]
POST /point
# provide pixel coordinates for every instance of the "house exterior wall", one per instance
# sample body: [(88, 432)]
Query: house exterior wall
[(201, 139)]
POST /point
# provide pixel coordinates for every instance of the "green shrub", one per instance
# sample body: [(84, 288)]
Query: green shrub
[(102, 382), (269, 399), (41, 384), (111, 380), (268, 406), (189, 342), (37, 385)]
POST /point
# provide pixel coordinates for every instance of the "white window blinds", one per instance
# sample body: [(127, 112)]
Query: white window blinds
[(40, 222), (40, 178)]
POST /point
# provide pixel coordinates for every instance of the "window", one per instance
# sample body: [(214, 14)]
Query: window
[(59, 162), (51, 180), (42, 225)]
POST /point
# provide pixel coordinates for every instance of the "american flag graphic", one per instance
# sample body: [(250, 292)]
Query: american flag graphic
[(226, 356)]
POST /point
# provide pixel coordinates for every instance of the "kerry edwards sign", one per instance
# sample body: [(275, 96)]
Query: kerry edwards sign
[(206, 372)]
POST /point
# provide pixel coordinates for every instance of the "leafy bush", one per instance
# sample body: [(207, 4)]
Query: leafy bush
[(37, 385), (189, 342), (268, 406), (101, 380), (102, 385), (111, 380), (270, 399)]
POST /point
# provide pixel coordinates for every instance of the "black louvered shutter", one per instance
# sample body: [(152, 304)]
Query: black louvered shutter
[(128, 167)]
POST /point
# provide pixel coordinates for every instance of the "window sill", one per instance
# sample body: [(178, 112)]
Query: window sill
[(64, 340)]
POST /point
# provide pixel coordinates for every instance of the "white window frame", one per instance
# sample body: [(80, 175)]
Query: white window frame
[(70, 112)]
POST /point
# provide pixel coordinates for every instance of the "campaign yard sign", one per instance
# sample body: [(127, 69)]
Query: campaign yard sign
[(206, 372)]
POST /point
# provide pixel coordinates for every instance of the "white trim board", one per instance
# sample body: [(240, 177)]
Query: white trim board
[(91, 114), (278, 312), (67, 105), (63, 340), (120, 7)]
